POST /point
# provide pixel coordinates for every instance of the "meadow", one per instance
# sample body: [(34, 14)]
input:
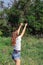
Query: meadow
[(31, 52)]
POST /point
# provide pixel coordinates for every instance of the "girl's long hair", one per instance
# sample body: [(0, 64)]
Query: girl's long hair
[(13, 37)]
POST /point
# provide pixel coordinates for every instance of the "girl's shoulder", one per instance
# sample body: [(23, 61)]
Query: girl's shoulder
[(19, 37)]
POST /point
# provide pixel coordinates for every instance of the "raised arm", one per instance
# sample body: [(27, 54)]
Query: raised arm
[(19, 28), (23, 30)]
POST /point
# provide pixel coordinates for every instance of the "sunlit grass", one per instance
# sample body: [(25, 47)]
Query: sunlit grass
[(31, 53)]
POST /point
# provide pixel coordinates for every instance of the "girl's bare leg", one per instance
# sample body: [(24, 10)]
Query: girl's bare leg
[(17, 62)]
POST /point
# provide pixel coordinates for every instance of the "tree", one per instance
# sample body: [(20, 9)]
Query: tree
[(27, 10)]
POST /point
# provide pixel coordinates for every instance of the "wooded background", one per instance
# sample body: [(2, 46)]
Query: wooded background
[(30, 11)]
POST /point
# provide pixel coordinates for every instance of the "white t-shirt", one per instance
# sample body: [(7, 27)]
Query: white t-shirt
[(18, 43)]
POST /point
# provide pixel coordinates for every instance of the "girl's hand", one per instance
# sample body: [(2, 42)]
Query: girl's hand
[(26, 24), (21, 24)]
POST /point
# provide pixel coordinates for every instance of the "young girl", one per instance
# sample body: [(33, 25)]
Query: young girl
[(16, 42)]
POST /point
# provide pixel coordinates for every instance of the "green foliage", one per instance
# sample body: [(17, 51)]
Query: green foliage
[(5, 29), (31, 53), (1, 33), (24, 10)]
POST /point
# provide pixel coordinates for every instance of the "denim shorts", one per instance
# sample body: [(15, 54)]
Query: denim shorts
[(15, 55)]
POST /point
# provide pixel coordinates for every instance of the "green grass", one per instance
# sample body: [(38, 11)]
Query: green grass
[(31, 53)]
